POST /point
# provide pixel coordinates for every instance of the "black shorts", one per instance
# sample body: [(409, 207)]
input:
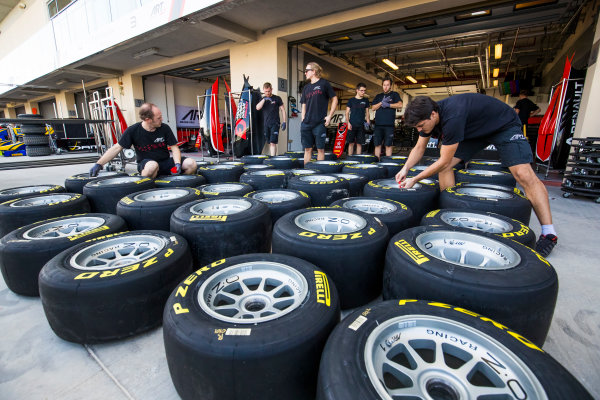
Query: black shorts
[(356, 134), (383, 134), (513, 148), (272, 133), (311, 134), (164, 166)]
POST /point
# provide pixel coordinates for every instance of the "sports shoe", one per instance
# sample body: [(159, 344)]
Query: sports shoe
[(545, 244)]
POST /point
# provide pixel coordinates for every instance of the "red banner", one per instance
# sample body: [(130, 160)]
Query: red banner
[(340, 139)]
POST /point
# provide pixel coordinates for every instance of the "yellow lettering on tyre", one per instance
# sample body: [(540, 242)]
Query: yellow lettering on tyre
[(179, 309), (322, 288)]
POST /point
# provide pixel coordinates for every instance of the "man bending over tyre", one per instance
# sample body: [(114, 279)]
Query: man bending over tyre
[(150, 139), (464, 124)]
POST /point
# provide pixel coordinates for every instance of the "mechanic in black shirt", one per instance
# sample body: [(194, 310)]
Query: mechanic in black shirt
[(525, 108), (315, 97), (357, 109), (271, 104), (464, 124), (385, 105), (150, 139)]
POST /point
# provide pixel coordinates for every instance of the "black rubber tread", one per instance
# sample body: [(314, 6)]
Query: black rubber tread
[(236, 189), (257, 167), (201, 349), (34, 140), (327, 156), (391, 168), (154, 214), (325, 166), (284, 162), (322, 193), (516, 231), (420, 200), (515, 206), (486, 165), (254, 159), (10, 194), (93, 305), (75, 183), (522, 297), (396, 159), (104, 195), (397, 220), (265, 179), (492, 177), (363, 158), (37, 151), (417, 169), (23, 255), (221, 173), (167, 181), (369, 171), (294, 154), (343, 373), (356, 183), (213, 237), (280, 208), (24, 211), (354, 260)]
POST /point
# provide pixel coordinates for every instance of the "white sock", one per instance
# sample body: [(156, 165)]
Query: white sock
[(548, 230)]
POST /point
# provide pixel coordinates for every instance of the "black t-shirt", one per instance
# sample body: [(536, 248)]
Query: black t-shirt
[(472, 115), (357, 110), (525, 107), (386, 116), (316, 97), (148, 145), (270, 110)]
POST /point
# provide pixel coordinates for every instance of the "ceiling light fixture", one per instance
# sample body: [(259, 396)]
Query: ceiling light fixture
[(145, 53), (390, 64), (495, 82), (498, 51), (410, 78), (496, 72)]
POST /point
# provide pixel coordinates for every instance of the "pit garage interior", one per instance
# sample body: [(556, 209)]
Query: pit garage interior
[(447, 48)]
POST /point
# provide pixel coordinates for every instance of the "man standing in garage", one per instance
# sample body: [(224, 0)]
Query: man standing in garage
[(150, 139), (385, 105), (525, 108), (464, 124), (357, 109), (272, 104), (315, 119)]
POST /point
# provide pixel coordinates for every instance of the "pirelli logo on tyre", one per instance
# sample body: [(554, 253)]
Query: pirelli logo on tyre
[(410, 251), (322, 288), (142, 181), (126, 200), (208, 218), (90, 232), (523, 231), (432, 214)]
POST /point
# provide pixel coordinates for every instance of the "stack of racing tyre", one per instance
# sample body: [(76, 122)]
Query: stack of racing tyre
[(34, 136), (248, 271)]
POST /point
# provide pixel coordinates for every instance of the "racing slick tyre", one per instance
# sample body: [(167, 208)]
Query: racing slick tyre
[(24, 251), (221, 173), (417, 169), (363, 158), (485, 176), (299, 172), (113, 286), (225, 189), (28, 191), (249, 327), (171, 181), (356, 183), (281, 201), (349, 245), (421, 198), (27, 210), (104, 194), (395, 159), (265, 179), (254, 159), (223, 227), (284, 162), (391, 168), (418, 349), (482, 221), (325, 167), (485, 273), (497, 199), (203, 163), (294, 154), (256, 167), (75, 183), (37, 151), (152, 208), (395, 215), (322, 189), (369, 171), (328, 156), (35, 140), (486, 165)]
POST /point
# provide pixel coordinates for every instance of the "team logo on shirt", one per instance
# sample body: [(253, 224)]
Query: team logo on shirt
[(316, 88), (159, 140)]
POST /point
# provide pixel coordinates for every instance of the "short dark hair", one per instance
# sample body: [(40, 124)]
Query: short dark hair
[(361, 85), (146, 111), (267, 85), (524, 92), (419, 109), (387, 78)]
